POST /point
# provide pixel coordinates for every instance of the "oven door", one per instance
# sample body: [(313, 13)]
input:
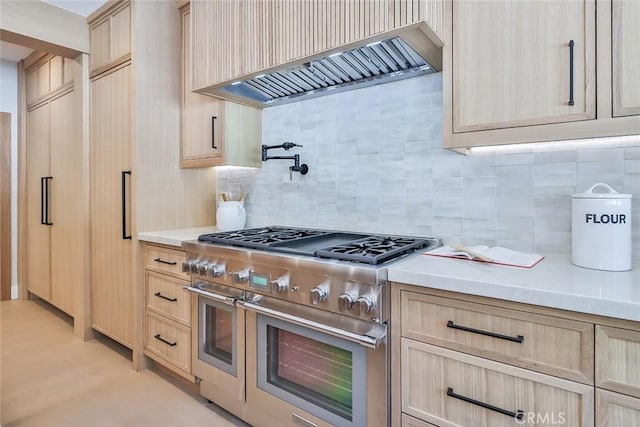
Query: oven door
[(218, 353), (307, 367)]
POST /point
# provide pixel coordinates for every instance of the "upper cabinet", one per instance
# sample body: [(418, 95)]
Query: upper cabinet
[(233, 39), (48, 75), (626, 57), (522, 63), (215, 132), (530, 71), (111, 39)]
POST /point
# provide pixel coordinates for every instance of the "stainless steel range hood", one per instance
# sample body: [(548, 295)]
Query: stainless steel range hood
[(375, 63), (408, 51)]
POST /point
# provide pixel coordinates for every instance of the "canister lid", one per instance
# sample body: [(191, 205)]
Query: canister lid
[(609, 194)]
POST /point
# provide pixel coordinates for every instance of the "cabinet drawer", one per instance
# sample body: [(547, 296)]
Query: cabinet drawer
[(448, 388), (618, 360), (165, 295), (165, 260), (169, 340), (546, 344), (613, 409)]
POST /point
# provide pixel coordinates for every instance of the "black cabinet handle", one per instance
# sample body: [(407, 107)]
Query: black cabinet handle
[(571, 44), (159, 295), (42, 202), (124, 205), (165, 262), (518, 339), (518, 415), (47, 202), (213, 132), (169, 343)]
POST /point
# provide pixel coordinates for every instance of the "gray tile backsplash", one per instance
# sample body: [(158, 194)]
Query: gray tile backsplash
[(376, 165)]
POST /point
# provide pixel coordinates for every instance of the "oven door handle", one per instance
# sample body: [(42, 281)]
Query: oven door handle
[(365, 340), (222, 298)]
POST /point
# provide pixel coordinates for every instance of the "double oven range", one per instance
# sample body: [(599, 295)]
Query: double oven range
[(292, 323)]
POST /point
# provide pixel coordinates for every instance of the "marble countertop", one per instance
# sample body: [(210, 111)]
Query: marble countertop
[(175, 237), (554, 282)]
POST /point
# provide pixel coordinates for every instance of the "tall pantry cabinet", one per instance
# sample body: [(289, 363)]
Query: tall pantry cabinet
[(55, 222), (136, 181)]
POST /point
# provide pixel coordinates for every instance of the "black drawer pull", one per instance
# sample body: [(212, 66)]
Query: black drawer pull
[(165, 262), (571, 44), (159, 338), (159, 295), (518, 339), (518, 415)]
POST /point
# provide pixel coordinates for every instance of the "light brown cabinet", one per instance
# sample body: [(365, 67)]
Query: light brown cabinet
[(55, 217), (112, 206), (236, 38), (110, 38), (48, 75), (215, 132), (545, 362), (510, 72), (167, 310), (513, 64), (625, 50), (614, 410)]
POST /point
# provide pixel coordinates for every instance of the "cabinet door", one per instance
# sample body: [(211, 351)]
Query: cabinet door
[(67, 212), (112, 279), (513, 65), (618, 360), (625, 47), (615, 410), (38, 234), (202, 116)]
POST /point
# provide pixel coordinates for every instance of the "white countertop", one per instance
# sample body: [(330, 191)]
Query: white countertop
[(554, 282), (175, 237)]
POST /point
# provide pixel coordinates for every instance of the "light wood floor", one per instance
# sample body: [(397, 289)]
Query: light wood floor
[(48, 377)]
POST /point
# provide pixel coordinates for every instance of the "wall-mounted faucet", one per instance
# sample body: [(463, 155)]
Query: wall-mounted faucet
[(297, 167)]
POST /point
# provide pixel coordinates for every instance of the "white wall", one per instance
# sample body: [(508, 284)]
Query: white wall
[(376, 165), (9, 104)]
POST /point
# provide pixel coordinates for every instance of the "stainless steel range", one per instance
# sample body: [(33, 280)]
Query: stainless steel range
[(292, 323)]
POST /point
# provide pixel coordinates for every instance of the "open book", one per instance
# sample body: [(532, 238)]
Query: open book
[(494, 255)]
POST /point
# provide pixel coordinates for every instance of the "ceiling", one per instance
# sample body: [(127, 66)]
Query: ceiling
[(14, 53)]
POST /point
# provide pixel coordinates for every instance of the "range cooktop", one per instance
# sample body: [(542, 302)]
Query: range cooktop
[(346, 246)]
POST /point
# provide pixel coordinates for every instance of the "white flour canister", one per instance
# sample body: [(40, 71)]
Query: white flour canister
[(601, 229)]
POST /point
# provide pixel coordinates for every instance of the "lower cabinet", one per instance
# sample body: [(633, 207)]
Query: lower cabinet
[(461, 360), (167, 329)]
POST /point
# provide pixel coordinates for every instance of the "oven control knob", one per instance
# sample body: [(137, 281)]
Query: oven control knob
[(215, 270), (280, 284), (186, 267), (194, 267), (365, 305), (318, 295), (345, 302), (240, 276), (202, 268)]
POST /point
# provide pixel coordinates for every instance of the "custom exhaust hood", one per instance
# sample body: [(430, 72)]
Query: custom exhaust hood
[(386, 58)]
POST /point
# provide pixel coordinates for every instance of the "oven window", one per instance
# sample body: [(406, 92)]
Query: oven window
[(312, 370), (219, 340)]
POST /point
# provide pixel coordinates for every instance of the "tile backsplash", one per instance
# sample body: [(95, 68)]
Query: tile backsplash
[(376, 165)]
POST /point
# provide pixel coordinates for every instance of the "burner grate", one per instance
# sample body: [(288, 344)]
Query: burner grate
[(374, 249)]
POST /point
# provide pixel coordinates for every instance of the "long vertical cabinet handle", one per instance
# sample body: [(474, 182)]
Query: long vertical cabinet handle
[(571, 44), (124, 205), (213, 132), (42, 202), (47, 200)]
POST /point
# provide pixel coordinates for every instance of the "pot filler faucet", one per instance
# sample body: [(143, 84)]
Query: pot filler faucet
[(297, 167)]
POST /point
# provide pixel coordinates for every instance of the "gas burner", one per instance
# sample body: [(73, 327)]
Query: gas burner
[(374, 249)]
